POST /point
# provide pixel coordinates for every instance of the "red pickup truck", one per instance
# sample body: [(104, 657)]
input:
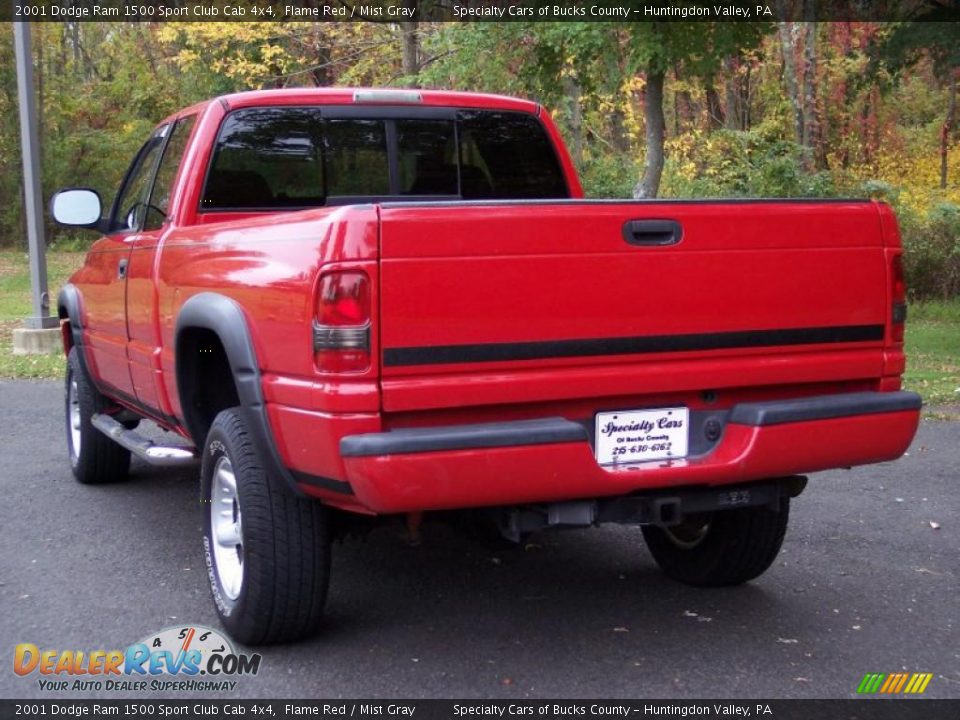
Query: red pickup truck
[(385, 302)]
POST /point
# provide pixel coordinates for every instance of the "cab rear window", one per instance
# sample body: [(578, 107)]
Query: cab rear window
[(294, 157)]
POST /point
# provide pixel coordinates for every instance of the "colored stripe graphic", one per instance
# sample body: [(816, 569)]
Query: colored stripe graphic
[(918, 683), (903, 681), (894, 683), (870, 683)]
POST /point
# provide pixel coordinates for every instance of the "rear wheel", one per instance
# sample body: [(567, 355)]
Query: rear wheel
[(721, 548), (267, 552), (94, 458)]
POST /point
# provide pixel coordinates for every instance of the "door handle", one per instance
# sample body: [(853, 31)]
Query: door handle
[(122, 269), (652, 232)]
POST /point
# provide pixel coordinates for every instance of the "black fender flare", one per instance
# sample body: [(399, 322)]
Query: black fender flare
[(69, 307), (226, 319)]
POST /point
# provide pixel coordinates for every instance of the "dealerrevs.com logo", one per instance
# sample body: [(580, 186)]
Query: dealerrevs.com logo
[(191, 658)]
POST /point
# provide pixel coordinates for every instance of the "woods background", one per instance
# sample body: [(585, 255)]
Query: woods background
[(776, 109)]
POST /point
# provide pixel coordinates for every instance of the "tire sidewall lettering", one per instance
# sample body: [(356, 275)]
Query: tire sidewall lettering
[(214, 450)]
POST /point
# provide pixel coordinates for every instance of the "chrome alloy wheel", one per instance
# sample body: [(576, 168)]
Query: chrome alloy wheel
[(227, 528), (73, 404)]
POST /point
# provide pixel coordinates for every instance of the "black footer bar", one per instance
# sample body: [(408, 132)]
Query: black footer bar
[(874, 708)]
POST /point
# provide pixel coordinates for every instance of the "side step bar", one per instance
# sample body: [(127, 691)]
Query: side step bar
[(144, 448)]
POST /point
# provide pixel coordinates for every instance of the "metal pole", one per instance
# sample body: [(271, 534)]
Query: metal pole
[(33, 205)]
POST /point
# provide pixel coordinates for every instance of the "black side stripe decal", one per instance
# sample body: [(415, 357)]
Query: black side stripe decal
[(589, 347)]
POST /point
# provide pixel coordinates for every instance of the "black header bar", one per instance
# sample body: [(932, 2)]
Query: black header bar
[(478, 10)]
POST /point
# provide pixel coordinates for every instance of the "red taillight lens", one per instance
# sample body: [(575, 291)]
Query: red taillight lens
[(898, 296), (899, 284), (343, 299), (341, 330)]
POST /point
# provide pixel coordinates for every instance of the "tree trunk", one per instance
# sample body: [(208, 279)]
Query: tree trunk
[(321, 74), (682, 102), (649, 184), (811, 127), (79, 63), (572, 91), (732, 120), (715, 114), (745, 98), (788, 43), (866, 146), (410, 47), (946, 132), (618, 130)]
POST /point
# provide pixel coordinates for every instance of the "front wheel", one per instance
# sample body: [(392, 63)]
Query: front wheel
[(267, 552), (729, 547)]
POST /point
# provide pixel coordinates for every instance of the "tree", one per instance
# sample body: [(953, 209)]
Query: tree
[(700, 48), (909, 43)]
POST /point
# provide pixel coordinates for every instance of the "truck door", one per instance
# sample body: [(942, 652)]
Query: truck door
[(104, 277), (143, 332)]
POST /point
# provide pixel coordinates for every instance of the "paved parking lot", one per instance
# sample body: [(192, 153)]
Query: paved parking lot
[(865, 583)]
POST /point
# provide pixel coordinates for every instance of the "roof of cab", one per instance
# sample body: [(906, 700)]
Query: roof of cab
[(346, 96)]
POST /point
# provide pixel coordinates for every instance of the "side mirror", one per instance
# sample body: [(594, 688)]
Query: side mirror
[(76, 207)]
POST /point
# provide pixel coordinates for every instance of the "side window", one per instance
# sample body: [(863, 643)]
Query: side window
[(130, 207), (506, 155), (159, 204), (267, 158)]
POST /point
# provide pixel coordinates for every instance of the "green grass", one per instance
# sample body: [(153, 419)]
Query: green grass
[(15, 305), (933, 352), (933, 332)]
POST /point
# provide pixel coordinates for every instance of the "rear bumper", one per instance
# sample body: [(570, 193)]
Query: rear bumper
[(536, 461)]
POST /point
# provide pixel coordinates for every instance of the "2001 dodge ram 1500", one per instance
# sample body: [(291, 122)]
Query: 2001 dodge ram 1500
[(390, 302)]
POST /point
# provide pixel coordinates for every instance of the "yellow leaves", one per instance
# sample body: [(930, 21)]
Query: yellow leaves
[(258, 54), (633, 84), (916, 175)]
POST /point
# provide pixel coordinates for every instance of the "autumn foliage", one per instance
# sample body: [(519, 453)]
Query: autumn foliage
[(777, 109)]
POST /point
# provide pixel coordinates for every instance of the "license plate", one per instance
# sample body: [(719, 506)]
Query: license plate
[(638, 435)]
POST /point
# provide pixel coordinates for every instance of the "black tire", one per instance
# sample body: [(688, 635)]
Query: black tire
[(729, 547), (98, 459), (284, 549)]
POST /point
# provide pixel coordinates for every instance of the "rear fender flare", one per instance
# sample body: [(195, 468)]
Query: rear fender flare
[(226, 319)]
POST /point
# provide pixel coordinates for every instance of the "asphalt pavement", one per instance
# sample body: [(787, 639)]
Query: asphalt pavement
[(866, 582)]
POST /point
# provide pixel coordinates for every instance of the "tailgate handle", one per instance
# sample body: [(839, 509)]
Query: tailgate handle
[(652, 232)]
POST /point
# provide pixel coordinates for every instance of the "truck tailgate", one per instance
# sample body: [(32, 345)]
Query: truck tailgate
[(506, 302)]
